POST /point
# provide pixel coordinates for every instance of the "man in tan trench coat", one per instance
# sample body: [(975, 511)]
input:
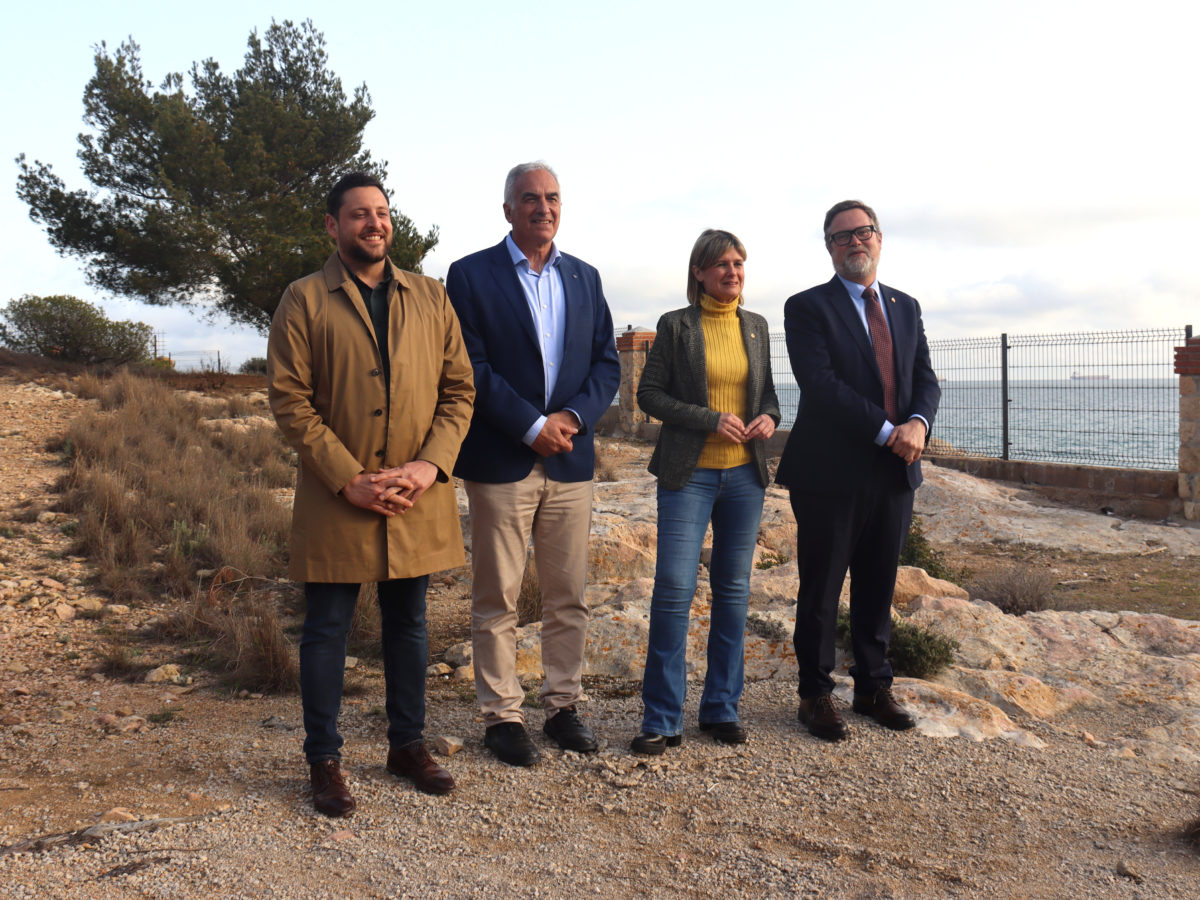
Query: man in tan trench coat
[(371, 384)]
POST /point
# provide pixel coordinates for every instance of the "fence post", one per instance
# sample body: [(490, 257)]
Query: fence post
[(632, 347), (1187, 367), (1004, 395)]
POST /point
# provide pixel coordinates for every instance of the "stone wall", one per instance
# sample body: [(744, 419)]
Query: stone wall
[(1187, 367), (632, 347)]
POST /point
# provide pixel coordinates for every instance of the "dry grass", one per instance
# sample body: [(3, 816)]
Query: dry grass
[(1016, 590), (117, 658), (1191, 834), (235, 626), (366, 629), (159, 497), (529, 600)]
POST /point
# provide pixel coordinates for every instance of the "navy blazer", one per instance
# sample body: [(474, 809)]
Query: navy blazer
[(510, 387), (832, 445)]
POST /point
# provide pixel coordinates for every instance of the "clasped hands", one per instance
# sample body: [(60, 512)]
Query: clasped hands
[(391, 491), (908, 440), (555, 436), (731, 428)]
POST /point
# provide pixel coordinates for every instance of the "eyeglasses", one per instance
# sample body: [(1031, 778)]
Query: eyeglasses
[(842, 238)]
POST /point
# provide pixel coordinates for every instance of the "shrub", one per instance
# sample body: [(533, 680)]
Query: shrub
[(117, 659), (529, 600), (67, 328), (366, 627), (236, 627), (919, 652), (159, 497), (914, 650), (771, 559), (1016, 590), (917, 551), (255, 365), (1191, 834), (768, 629)]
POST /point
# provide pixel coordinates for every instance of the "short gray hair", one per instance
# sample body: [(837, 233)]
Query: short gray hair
[(514, 175)]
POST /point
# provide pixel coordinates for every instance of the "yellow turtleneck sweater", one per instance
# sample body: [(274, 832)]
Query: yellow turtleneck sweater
[(727, 367)]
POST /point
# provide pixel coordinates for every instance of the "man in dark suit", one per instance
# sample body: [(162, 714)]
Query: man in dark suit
[(868, 397), (540, 337)]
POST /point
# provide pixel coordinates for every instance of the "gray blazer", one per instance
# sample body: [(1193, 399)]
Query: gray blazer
[(674, 389)]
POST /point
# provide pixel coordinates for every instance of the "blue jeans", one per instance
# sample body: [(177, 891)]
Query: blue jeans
[(733, 500), (330, 608)]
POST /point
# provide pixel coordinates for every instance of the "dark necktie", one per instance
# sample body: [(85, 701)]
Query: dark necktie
[(881, 339)]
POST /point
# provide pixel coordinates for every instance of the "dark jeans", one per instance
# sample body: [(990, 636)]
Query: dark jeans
[(323, 660)]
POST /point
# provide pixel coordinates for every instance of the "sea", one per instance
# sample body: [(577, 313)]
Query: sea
[(1122, 422)]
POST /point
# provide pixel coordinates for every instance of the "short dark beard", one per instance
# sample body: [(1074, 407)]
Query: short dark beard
[(360, 254)]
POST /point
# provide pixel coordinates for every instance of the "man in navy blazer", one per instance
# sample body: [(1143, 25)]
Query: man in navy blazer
[(868, 397), (540, 338)]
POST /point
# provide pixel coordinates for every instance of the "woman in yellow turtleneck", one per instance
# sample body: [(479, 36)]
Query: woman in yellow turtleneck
[(708, 379)]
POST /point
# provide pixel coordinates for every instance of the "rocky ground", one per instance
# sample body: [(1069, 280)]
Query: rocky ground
[(111, 788)]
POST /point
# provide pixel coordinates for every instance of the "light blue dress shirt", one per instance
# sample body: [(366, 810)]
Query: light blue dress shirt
[(544, 294), (856, 291)]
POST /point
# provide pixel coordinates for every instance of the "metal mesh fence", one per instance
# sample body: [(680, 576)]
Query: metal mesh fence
[(1107, 398)]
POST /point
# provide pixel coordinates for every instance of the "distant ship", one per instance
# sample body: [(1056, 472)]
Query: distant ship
[(1077, 376)]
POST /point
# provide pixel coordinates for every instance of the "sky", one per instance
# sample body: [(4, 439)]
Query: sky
[(1033, 164)]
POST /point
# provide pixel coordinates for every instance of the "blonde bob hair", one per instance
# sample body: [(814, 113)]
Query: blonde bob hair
[(709, 247)]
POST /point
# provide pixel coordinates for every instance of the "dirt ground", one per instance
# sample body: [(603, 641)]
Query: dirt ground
[(1155, 583)]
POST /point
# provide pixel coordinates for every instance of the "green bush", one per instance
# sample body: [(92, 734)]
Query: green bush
[(255, 365), (67, 328), (919, 552), (914, 650)]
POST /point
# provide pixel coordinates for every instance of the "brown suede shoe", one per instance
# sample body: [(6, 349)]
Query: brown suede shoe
[(330, 794), (413, 762), (883, 708), (822, 717)]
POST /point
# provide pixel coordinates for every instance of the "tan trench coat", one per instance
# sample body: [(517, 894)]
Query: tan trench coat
[(327, 393)]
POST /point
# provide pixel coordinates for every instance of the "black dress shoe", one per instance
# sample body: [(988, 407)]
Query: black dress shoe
[(650, 744), (822, 717), (725, 732), (329, 791), (511, 744), (883, 708), (569, 732)]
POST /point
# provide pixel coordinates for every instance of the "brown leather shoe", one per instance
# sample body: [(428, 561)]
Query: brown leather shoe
[(883, 708), (330, 794), (413, 762), (822, 717)]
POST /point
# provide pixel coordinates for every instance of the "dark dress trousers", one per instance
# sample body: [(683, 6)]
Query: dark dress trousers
[(852, 499)]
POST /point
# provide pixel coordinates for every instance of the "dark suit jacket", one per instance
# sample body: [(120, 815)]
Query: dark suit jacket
[(674, 388), (831, 448), (498, 329)]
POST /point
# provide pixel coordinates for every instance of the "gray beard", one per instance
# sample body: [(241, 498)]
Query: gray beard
[(858, 266)]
